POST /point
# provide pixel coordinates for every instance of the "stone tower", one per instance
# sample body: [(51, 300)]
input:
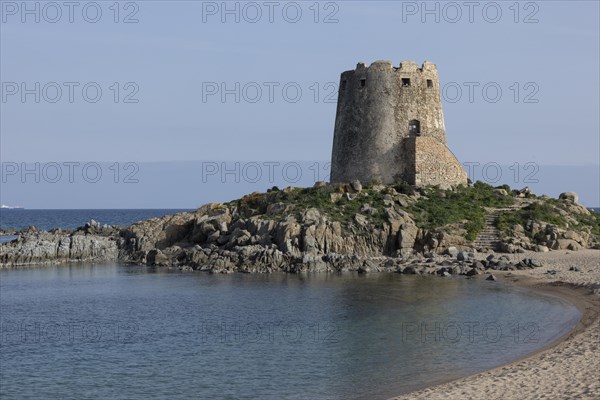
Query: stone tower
[(390, 125)]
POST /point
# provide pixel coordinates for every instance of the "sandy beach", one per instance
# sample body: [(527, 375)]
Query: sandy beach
[(569, 368)]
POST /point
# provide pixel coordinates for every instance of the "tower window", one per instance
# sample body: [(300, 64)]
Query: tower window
[(363, 82), (414, 127), (405, 82), (429, 83), (343, 86)]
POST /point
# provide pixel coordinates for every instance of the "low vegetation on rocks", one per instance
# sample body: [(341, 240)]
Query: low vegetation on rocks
[(547, 223), (329, 227), (462, 205), (339, 203)]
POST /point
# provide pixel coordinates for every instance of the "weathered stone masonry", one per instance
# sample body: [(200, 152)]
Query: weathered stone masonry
[(390, 125)]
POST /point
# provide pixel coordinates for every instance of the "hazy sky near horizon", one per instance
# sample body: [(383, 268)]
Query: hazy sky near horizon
[(161, 79)]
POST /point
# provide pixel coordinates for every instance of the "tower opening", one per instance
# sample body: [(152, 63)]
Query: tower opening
[(414, 127), (363, 82), (405, 82), (429, 83)]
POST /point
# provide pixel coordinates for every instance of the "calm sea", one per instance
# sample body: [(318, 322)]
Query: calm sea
[(70, 219), (109, 331)]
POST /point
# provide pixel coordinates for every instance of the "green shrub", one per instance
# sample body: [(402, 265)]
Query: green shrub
[(464, 205), (436, 209), (404, 187), (592, 221), (505, 187), (547, 212), (507, 219)]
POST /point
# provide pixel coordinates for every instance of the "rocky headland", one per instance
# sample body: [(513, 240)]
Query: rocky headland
[(333, 227)]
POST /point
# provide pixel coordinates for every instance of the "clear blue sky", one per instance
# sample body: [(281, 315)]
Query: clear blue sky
[(176, 50)]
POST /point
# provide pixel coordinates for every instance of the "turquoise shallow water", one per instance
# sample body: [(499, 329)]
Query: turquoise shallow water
[(115, 331)]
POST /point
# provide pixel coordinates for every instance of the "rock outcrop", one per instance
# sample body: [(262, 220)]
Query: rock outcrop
[(51, 247), (326, 228), (552, 225)]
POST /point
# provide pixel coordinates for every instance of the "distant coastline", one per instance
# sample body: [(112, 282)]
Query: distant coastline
[(5, 207)]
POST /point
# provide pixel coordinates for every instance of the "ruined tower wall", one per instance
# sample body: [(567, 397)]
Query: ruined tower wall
[(435, 164), (376, 105), (365, 124)]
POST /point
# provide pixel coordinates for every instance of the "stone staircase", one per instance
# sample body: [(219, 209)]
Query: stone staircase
[(489, 238)]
